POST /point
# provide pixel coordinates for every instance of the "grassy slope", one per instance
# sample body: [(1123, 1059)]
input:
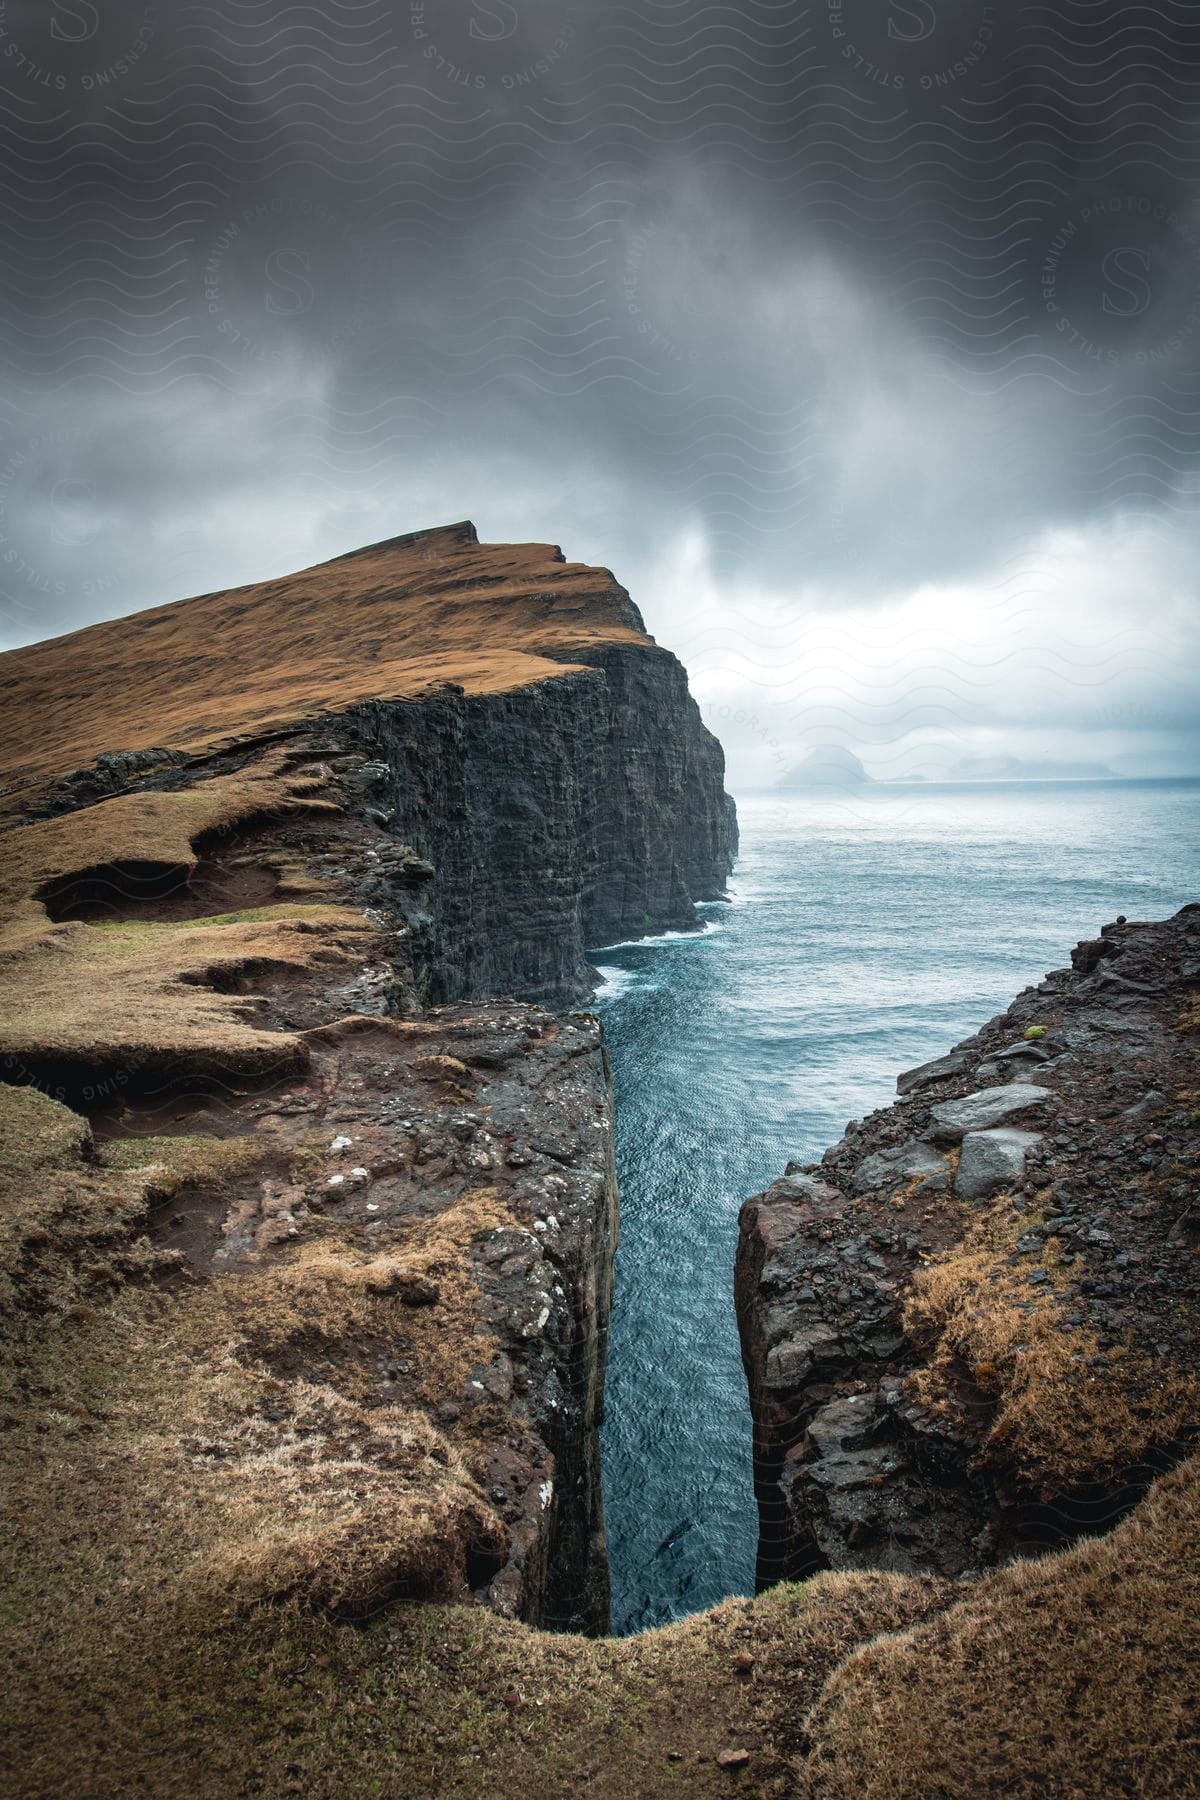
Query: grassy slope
[(134, 994), (387, 622), (1075, 1676)]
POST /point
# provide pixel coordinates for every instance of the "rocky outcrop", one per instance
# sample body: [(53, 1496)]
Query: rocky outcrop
[(971, 1329), (570, 814), (533, 750), (423, 779)]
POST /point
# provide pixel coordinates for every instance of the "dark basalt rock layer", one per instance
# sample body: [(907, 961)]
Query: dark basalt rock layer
[(1080, 1145), (577, 812)]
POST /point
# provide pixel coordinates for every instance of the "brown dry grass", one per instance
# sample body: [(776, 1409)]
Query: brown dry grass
[(127, 995), (340, 1507), (328, 1293), (175, 1163), (1058, 1413), (271, 1484), (1073, 1676), (387, 622), (489, 1708), (134, 995), (68, 1228), (187, 1530)]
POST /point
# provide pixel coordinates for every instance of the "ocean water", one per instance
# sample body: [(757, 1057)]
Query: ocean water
[(867, 933)]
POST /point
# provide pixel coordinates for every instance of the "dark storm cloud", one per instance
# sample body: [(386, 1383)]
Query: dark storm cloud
[(869, 295)]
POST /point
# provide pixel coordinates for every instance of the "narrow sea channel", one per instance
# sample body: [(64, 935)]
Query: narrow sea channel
[(866, 933)]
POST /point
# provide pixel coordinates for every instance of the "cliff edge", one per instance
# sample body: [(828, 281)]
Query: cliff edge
[(523, 736), (973, 1329), (308, 1158)]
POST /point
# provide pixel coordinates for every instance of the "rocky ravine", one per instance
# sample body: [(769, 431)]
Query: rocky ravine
[(972, 1327)]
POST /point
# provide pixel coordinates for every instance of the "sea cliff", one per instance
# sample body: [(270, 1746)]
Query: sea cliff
[(286, 972), (571, 813), (972, 1329)]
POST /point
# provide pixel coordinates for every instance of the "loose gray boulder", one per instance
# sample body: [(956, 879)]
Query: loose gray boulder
[(990, 1106), (955, 1064), (913, 1158), (801, 1188), (1150, 1106), (1024, 1051), (793, 1363), (1000, 1068), (992, 1161)]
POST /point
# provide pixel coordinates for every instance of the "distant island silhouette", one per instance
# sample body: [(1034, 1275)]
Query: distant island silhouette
[(833, 766)]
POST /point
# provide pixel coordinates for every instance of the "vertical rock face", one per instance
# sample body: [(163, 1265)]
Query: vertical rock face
[(841, 1479), (665, 829), (974, 1327), (573, 813)]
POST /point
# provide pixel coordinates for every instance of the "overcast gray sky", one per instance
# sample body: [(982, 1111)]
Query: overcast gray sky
[(860, 340)]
